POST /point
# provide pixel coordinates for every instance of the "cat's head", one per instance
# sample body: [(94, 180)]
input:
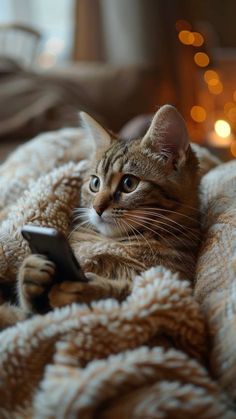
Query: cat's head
[(133, 184)]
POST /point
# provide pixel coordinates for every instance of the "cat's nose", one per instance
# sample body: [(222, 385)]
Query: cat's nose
[(99, 210)]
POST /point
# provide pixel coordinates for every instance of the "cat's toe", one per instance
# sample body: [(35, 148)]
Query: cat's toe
[(37, 269), (35, 278)]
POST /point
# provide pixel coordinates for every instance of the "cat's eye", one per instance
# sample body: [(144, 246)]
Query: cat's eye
[(94, 184), (129, 183)]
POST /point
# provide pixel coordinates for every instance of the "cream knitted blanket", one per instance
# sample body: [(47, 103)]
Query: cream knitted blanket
[(144, 358)]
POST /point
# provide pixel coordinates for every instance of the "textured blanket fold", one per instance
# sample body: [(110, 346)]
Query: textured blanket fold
[(216, 270), (139, 359)]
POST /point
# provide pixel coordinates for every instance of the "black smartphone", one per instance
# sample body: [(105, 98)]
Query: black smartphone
[(53, 244)]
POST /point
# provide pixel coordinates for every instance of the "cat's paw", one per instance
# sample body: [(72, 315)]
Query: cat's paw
[(35, 279), (69, 292)]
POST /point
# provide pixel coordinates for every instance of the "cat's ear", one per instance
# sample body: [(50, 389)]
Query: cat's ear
[(167, 136), (99, 137)]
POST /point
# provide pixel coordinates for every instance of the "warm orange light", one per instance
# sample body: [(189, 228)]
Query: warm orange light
[(232, 114), (198, 39), (216, 89), (213, 82), (198, 113), (182, 25), (222, 128), (233, 148), (210, 75), (201, 59), (234, 96), (186, 37), (221, 136), (228, 106)]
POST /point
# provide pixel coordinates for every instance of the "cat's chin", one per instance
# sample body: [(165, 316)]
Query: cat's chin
[(106, 226), (108, 230)]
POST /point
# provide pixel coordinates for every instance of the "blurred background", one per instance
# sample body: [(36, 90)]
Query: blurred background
[(119, 60)]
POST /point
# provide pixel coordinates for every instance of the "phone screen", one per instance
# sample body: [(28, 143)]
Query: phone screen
[(53, 244)]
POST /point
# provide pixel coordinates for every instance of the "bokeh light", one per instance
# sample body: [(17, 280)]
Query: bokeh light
[(201, 59), (198, 113), (186, 37), (216, 89), (198, 39), (210, 75), (213, 82), (222, 128), (228, 106), (232, 114)]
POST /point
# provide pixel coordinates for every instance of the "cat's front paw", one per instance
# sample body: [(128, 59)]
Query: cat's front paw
[(35, 279), (69, 292)]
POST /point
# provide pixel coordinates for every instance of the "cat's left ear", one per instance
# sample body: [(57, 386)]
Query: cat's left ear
[(99, 137), (167, 136)]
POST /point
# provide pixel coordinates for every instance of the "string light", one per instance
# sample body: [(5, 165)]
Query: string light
[(210, 75), (186, 37), (198, 39), (228, 106), (222, 128), (201, 59), (198, 113), (221, 136), (216, 89), (191, 38), (232, 114)]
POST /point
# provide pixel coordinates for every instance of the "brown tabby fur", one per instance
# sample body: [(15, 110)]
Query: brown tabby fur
[(156, 224)]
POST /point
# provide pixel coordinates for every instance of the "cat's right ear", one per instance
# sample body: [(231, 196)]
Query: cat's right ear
[(100, 138), (167, 136)]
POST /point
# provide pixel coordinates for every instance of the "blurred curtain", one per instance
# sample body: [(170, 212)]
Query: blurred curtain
[(118, 31), (88, 45), (140, 33)]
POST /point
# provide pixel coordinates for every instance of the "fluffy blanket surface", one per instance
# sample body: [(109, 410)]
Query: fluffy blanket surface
[(165, 352)]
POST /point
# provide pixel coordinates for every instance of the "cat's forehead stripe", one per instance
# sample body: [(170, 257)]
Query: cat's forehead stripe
[(106, 160), (117, 157), (111, 157)]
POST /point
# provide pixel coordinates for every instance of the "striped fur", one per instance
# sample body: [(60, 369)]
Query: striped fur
[(157, 223)]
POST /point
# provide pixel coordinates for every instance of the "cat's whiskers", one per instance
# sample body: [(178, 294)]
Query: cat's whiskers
[(183, 229), (142, 225), (178, 256), (120, 216), (124, 231), (157, 209), (78, 226), (80, 211), (81, 216), (132, 231), (154, 231), (138, 234), (163, 217), (123, 224), (155, 223)]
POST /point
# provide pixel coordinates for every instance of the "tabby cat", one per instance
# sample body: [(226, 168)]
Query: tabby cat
[(139, 208)]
